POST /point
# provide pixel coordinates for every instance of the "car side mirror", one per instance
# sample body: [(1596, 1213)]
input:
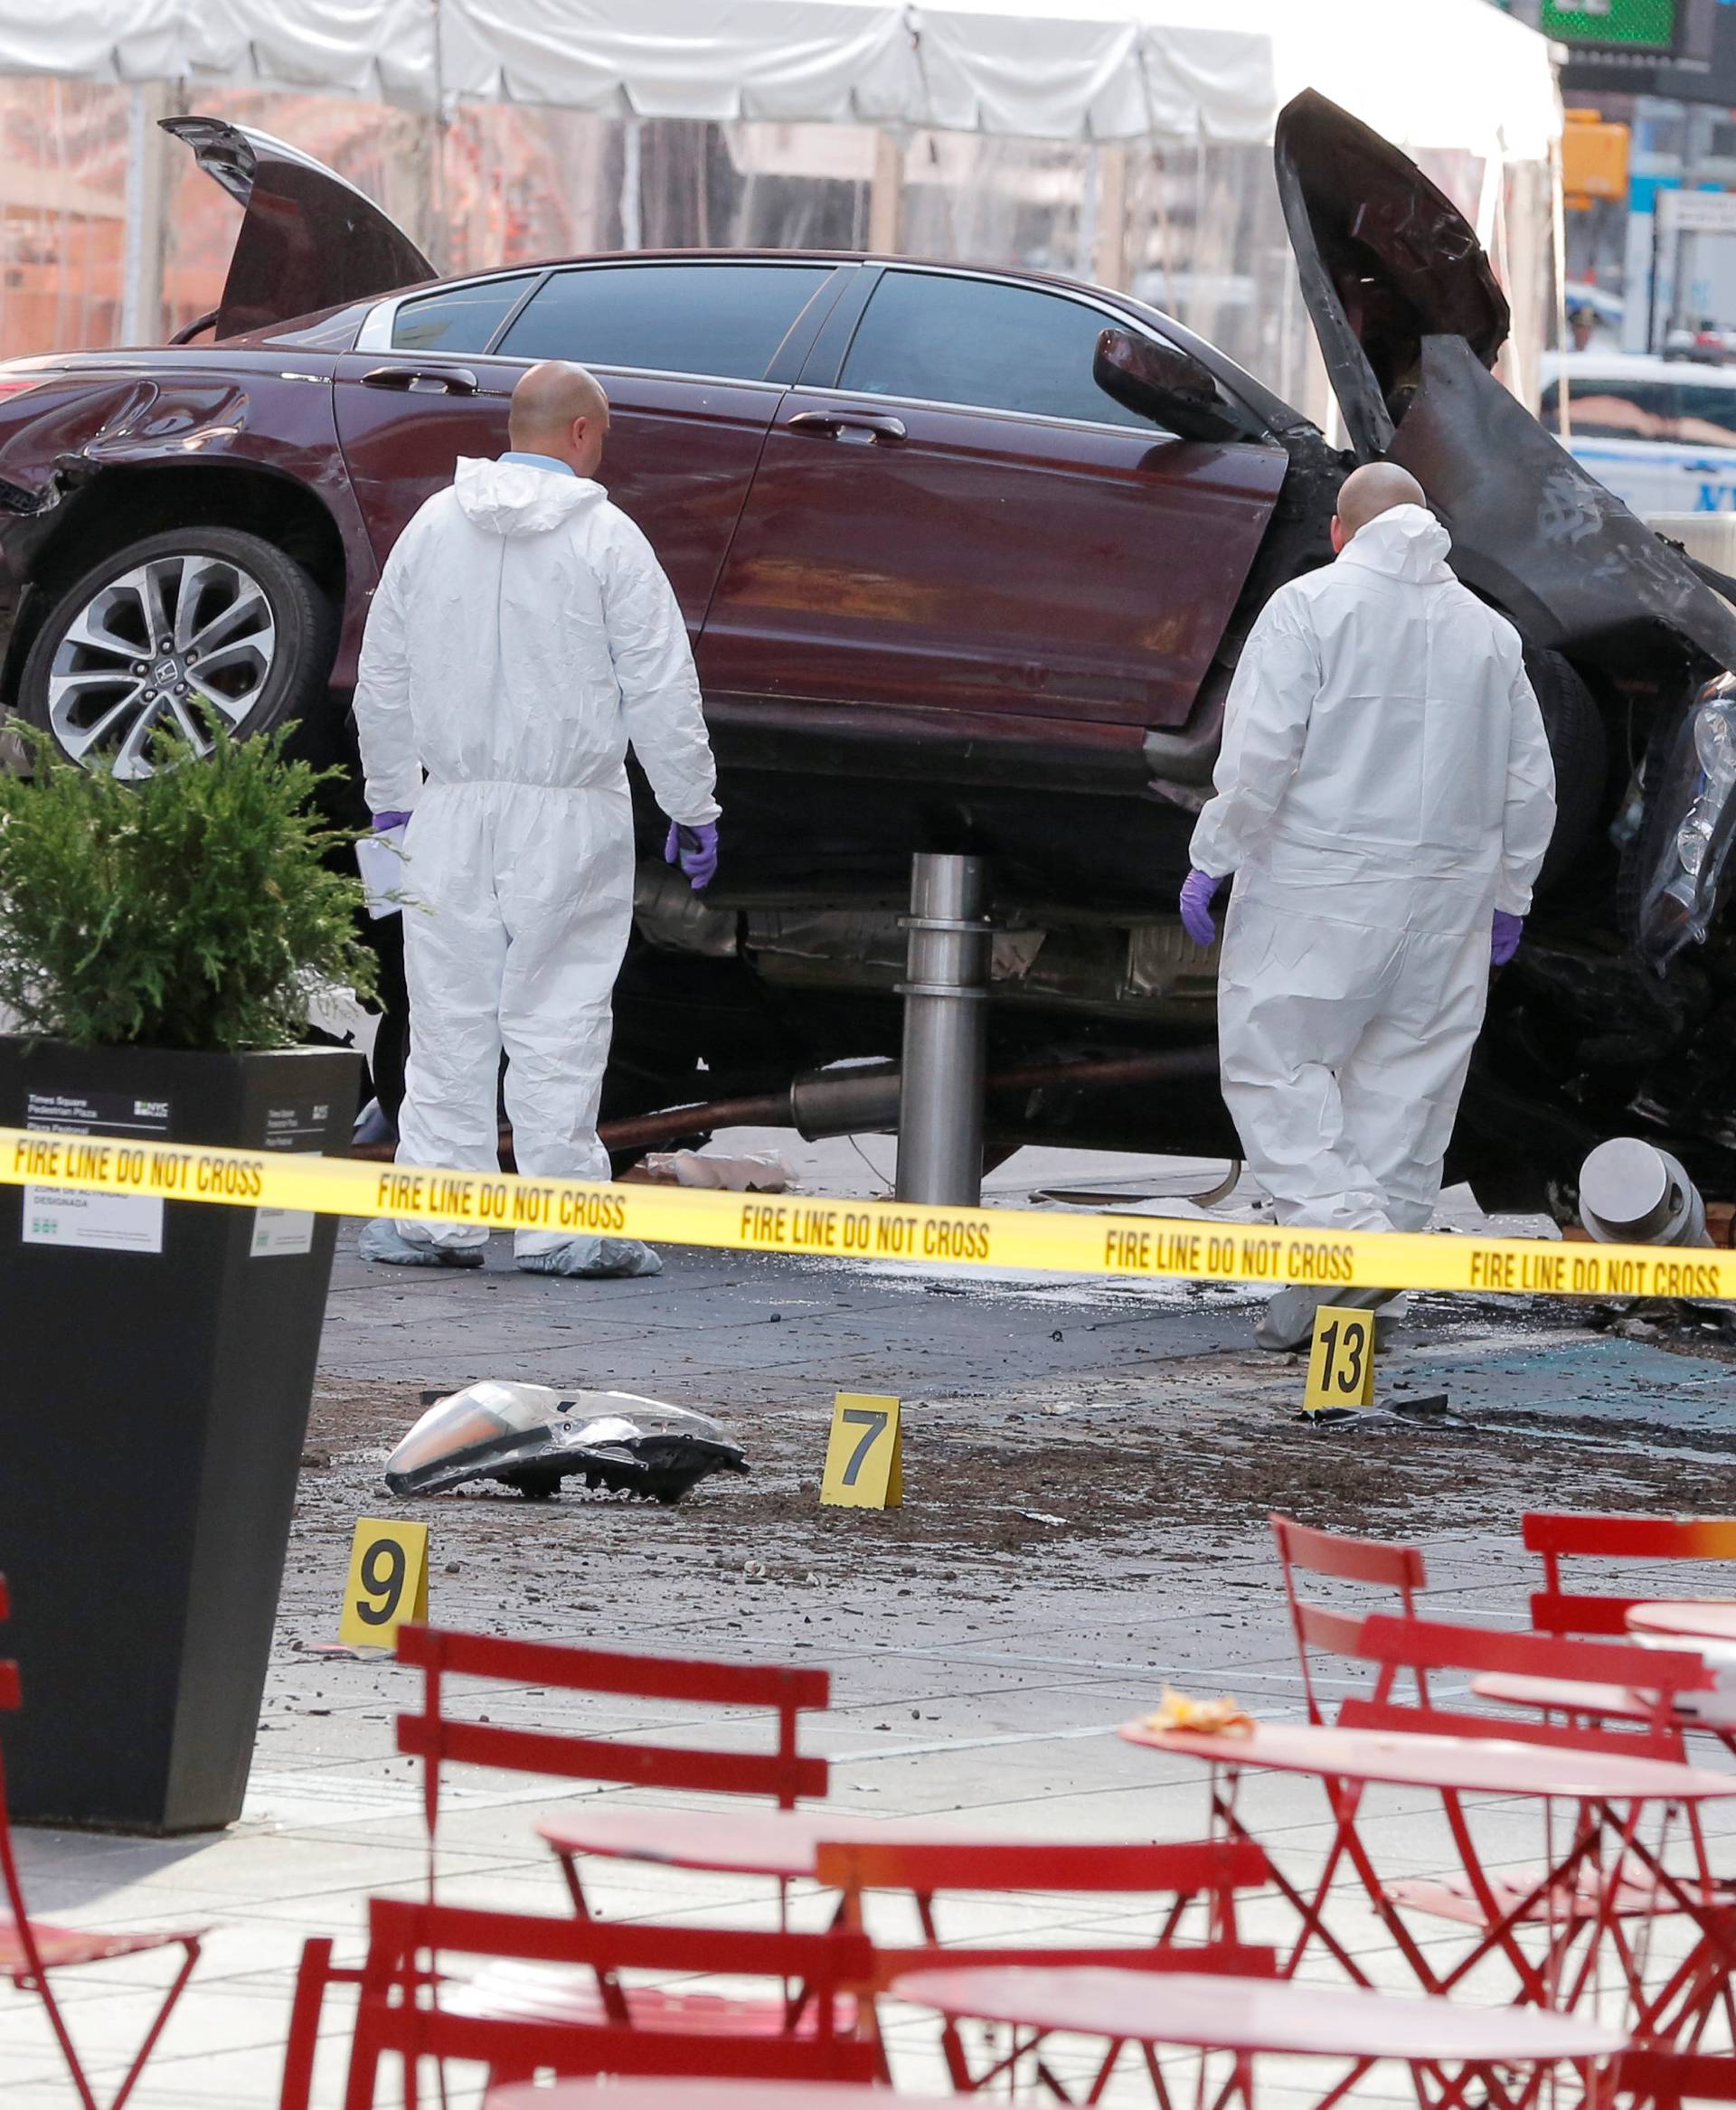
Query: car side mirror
[(1164, 384)]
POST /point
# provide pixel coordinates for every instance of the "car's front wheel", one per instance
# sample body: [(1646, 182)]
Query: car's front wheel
[(184, 631)]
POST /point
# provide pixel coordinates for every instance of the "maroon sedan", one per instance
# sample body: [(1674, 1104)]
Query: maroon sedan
[(968, 557)]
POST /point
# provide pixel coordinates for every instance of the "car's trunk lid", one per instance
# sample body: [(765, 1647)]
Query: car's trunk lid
[(309, 239)]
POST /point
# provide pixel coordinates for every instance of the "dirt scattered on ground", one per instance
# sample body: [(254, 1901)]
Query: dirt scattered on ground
[(1175, 1470)]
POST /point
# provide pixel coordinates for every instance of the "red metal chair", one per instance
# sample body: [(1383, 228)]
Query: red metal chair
[(1302, 1550), (783, 1775), (1577, 1895), (437, 1738), (1212, 1870), (1654, 1677), (1557, 1536), (412, 2010), (31, 1948)]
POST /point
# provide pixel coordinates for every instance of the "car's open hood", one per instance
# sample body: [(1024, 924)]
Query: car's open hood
[(1385, 259), (309, 241), (1410, 319)]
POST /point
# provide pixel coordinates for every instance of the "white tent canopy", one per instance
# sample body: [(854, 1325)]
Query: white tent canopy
[(1454, 73)]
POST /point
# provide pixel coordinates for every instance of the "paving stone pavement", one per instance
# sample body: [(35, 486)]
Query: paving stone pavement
[(987, 1692)]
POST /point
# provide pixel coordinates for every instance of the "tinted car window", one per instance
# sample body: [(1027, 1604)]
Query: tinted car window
[(721, 319), (462, 318), (944, 340), (1708, 417), (1605, 409)]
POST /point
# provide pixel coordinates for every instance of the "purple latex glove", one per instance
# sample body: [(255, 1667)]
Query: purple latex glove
[(1196, 906), (695, 850), (381, 822), (1503, 940)]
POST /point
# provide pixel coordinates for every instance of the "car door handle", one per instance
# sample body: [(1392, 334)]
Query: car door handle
[(440, 380), (854, 427)]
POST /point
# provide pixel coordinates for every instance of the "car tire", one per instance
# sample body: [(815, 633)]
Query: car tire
[(258, 632), (1580, 751)]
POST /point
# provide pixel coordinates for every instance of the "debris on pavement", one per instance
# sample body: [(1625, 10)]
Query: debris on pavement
[(531, 1437), (1223, 1717), (755, 1172), (1387, 1416)]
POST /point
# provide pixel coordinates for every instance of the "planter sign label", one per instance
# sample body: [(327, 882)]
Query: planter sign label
[(288, 1230), (73, 1216)]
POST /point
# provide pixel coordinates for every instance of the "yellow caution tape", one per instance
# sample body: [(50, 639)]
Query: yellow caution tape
[(926, 1238)]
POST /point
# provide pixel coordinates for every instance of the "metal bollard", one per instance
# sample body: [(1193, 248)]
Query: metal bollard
[(1631, 1193), (946, 1033)]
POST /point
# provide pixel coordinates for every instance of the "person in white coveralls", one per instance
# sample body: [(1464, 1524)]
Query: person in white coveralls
[(523, 635), (1384, 798)]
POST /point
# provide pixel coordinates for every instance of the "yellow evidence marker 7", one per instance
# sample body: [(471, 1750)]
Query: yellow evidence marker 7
[(1341, 1363), (865, 1456), (388, 1582)]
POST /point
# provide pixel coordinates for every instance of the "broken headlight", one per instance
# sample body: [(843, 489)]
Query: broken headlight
[(531, 1437), (1692, 824)]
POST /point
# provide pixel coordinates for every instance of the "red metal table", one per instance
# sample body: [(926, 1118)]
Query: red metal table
[(757, 1842), (1608, 1793), (1698, 1984), (1690, 1618), (1251, 2016), (681, 2095), (780, 1844)]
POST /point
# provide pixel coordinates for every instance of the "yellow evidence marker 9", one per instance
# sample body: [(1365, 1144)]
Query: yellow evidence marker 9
[(1341, 1363), (388, 1582), (865, 1456)]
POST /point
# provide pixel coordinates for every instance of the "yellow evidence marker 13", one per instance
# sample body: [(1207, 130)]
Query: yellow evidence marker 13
[(865, 1456), (388, 1582), (1341, 1363)]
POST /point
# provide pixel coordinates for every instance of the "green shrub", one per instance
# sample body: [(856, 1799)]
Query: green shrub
[(192, 909)]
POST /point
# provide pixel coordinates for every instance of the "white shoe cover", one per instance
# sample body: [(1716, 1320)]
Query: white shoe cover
[(383, 1240), (1287, 1321), (594, 1258)]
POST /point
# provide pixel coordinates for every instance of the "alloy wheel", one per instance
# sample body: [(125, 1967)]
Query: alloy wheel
[(187, 641)]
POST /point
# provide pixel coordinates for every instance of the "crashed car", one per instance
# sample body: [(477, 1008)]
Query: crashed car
[(968, 557)]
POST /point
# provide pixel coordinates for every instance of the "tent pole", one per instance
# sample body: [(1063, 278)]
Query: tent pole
[(141, 293), (632, 196), (1085, 263), (1108, 267), (884, 195)]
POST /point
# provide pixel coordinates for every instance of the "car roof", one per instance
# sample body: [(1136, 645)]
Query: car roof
[(1255, 392)]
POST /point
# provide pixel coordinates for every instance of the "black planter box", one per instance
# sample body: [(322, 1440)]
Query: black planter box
[(157, 1374)]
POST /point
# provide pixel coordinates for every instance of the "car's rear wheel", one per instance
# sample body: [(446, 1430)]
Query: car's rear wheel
[(195, 628)]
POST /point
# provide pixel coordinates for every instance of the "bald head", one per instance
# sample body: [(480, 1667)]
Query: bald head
[(560, 410), (1369, 491)]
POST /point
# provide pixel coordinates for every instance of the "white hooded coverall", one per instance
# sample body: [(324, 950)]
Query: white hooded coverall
[(523, 633), (1384, 786)]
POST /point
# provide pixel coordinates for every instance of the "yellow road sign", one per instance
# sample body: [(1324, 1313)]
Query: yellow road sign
[(865, 1455), (387, 1585), (1341, 1364)]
